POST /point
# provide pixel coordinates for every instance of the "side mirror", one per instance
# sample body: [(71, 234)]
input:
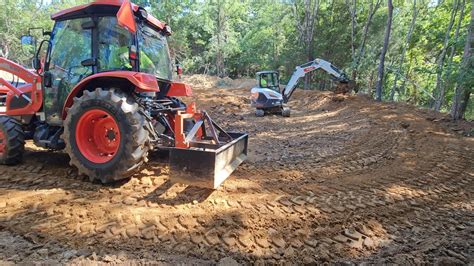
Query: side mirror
[(27, 40)]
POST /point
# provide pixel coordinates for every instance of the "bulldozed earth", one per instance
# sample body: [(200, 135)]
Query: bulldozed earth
[(345, 179)]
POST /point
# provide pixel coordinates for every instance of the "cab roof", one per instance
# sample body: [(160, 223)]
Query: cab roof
[(267, 72), (101, 7)]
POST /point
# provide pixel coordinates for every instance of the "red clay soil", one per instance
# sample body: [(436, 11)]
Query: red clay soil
[(343, 179)]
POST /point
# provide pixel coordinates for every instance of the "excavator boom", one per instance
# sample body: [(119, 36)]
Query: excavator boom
[(304, 69)]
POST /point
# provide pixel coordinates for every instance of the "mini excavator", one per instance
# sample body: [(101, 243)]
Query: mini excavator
[(268, 98)]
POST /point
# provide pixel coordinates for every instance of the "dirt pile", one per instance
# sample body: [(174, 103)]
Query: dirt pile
[(343, 179)]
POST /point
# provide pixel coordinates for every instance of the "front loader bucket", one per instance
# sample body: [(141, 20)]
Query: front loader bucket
[(208, 165)]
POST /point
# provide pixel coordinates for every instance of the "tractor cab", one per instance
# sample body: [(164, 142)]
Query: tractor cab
[(269, 80), (92, 39)]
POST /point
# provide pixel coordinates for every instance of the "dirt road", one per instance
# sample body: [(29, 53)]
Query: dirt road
[(343, 179)]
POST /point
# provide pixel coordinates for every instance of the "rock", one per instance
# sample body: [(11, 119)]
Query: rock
[(69, 254), (227, 261), (278, 241), (368, 243), (404, 124), (149, 232), (353, 234), (146, 181), (262, 242), (245, 239), (308, 260), (456, 255), (448, 261), (83, 252), (108, 258), (129, 201), (289, 252), (197, 238), (42, 252), (3, 204), (122, 256), (13, 258)]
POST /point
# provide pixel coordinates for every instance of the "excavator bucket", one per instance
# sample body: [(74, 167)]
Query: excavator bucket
[(206, 155)]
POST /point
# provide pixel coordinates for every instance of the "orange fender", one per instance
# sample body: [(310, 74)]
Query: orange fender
[(143, 83)]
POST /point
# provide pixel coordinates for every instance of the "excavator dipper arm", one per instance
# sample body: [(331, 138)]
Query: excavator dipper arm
[(302, 70)]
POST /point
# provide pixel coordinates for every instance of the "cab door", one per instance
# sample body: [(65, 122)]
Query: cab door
[(71, 46)]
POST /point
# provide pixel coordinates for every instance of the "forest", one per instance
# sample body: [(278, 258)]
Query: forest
[(417, 51)]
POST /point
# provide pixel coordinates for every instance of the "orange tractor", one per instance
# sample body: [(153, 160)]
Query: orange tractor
[(104, 93)]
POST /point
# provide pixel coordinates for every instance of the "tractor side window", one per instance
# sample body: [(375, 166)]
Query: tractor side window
[(71, 44), (114, 45), (154, 54)]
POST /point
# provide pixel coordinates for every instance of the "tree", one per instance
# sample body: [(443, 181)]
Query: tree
[(374, 6), (402, 56), (380, 76), (306, 28), (440, 89), (450, 65), (466, 78)]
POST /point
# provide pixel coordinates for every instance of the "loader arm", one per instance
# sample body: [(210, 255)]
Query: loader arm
[(304, 69), (18, 71)]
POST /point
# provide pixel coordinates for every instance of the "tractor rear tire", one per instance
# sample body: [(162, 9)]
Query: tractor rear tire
[(259, 113), (105, 135), (12, 141)]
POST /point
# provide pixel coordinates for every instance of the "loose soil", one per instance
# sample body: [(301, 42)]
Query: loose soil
[(344, 179)]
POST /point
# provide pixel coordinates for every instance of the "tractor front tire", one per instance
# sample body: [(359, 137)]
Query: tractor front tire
[(12, 141), (105, 135)]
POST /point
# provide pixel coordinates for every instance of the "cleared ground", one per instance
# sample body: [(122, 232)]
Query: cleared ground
[(343, 179)]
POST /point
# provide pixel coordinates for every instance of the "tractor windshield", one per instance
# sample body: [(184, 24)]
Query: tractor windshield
[(154, 53)]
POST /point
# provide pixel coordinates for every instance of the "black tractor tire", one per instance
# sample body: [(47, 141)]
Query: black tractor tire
[(134, 142), (12, 140), (259, 113), (285, 112)]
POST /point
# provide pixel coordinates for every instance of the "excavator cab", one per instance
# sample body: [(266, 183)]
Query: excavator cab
[(269, 80)]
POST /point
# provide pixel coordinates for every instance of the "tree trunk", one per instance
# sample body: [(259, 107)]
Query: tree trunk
[(449, 83), (402, 57), (440, 89), (306, 29), (373, 9), (220, 67), (380, 76), (353, 10), (464, 85)]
